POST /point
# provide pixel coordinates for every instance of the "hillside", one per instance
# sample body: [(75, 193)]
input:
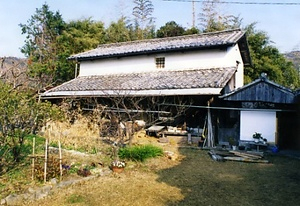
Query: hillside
[(10, 62), (14, 70), (294, 56)]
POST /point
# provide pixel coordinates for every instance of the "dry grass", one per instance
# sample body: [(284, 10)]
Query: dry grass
[(129, 188), (80, 135), (195, 179)]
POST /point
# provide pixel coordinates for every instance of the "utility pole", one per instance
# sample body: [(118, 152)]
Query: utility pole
[(193, 4)]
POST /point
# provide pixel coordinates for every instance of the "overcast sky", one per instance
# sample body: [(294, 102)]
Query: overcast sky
[(281, 22)]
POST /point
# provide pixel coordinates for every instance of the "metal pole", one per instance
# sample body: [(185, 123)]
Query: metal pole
[(193, 24)]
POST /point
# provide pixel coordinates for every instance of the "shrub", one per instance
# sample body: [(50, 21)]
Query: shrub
[(140, 153), (20, 115)]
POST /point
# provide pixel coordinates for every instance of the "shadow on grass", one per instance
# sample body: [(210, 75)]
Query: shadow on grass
[(206, 182)]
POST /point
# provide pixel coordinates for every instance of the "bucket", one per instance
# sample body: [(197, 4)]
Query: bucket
[(275, 149)]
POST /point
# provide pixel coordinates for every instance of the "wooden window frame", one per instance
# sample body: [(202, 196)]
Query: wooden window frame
[(160, 62)]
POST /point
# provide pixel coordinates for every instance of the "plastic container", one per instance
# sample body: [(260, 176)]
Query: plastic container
[(275, 149)]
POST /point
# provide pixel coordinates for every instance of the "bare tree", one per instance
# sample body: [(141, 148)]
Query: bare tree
[(142, 12), (13, 71), (212, 18)]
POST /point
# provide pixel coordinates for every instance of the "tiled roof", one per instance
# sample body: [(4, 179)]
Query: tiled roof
[(262, 90), (205, 40), (160, 80)]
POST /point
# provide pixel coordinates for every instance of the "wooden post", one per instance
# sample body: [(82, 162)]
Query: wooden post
[(189, 138), (121, 128), (60, 160), (46, 157), (129, 131), (49, 131), (33, 157)]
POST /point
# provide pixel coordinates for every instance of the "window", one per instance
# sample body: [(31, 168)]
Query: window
[(160, 62)]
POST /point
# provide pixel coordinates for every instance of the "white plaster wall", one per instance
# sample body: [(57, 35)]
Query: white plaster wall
[(258, 121), (233, 55), (116, 65), (196, 59), (173, 61)]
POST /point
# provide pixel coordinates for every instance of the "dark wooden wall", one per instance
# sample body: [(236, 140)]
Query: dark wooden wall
[(288, 136), (264, 92)]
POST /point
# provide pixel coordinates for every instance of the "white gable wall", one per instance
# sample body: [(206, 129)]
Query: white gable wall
[(173, 61), (234, 55)]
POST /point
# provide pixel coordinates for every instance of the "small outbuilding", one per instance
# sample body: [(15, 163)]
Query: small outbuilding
[(264, 107)]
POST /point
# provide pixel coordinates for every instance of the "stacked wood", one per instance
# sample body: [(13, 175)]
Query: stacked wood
[(240, 156), (248, 154)]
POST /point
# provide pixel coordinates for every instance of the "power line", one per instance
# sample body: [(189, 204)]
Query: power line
[(240, 2)]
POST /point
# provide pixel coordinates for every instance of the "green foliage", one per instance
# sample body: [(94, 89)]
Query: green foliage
[(41, 45), (192, 30), (267, 59), (73, 169), (75, 199), (78, 36), (53, 144), (14, 181), (118, 31), (140, 153), (82, 35), (39, 144), (20, 115), (173, 29), (170, 29), (50, 41)]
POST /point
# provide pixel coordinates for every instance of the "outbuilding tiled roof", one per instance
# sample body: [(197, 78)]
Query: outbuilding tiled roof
[(262, 90), (197, 41), (147, 83)]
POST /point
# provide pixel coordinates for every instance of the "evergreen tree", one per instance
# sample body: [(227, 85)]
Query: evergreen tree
[(170, 29), (82, 35), (173, 29), (118, 31), (42, 31), (267, 59), (78, 36), (192, 30)]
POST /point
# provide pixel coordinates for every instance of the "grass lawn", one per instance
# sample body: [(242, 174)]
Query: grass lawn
[(193, 179)]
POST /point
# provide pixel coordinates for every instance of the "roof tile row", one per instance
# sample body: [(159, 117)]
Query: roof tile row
[(158, 80), (163, 44)]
